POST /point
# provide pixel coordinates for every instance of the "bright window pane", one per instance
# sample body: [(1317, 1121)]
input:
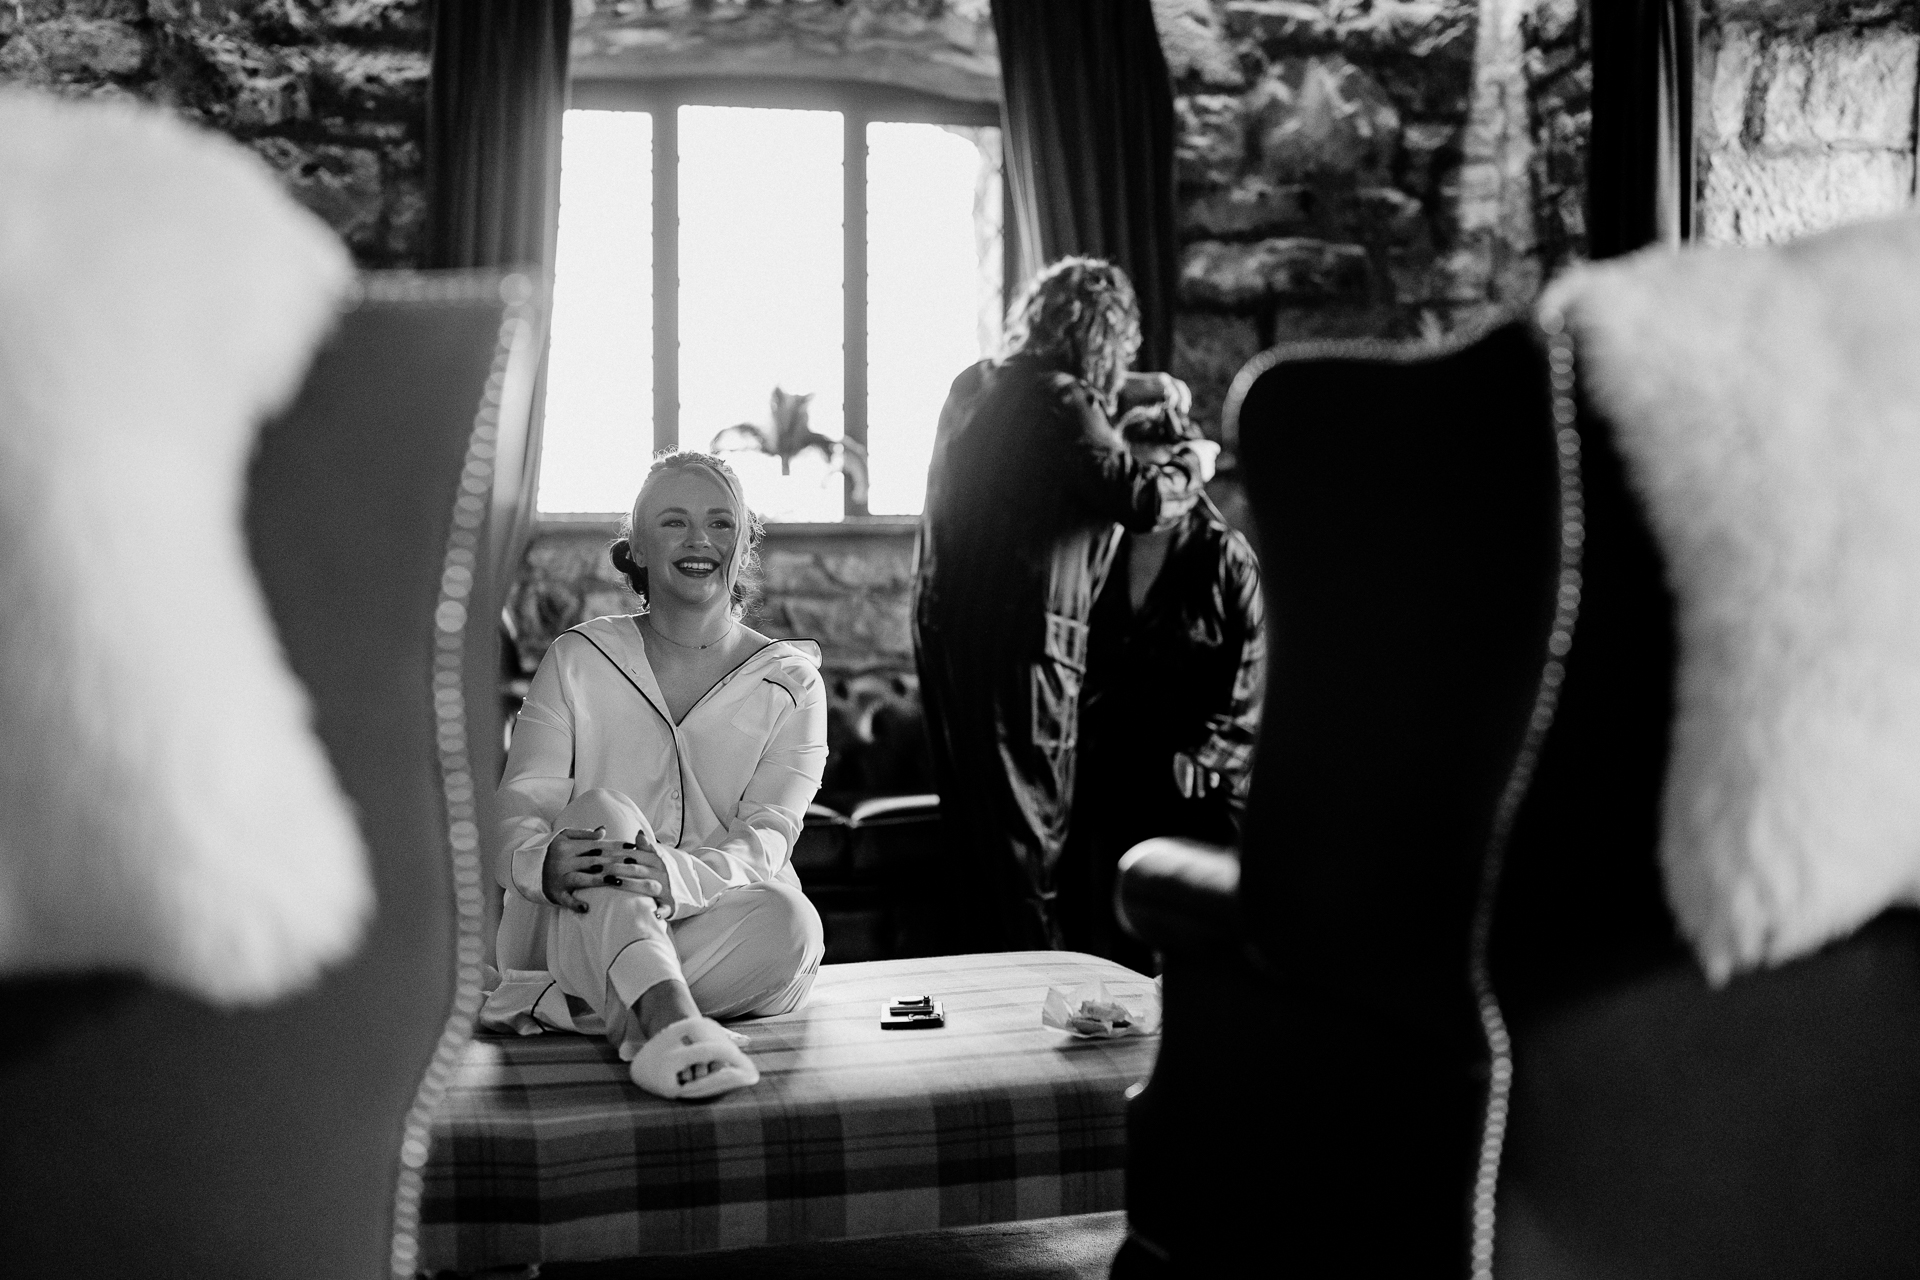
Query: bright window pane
[(933, 289), (599, 412), (760, 298)]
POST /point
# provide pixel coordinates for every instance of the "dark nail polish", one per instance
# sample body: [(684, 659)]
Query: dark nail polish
[(596, 869), (629, 846), (613, 879), (581, 908), (632, 862)]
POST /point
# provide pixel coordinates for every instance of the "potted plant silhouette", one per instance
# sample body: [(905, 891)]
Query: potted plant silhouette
[(791, 435)]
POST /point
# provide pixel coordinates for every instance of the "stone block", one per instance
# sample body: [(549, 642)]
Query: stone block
[(405, 235), (1340, 321), (571, 555), (283, 22), (22, 63), (1315, 118), (1383, 215), (245, 85), (1549, 62), (1209, 139), (1280, 26), (1195, 46), (1427, 149), (1431, 30), (1842, 87), (1735, 63), (789, 573), (1423, 88), (1251, 207), (1214, 273), (33, 12), (83, 47), (1554, 22), (1208, 350), (1753, 199), (341, 184), (402, 22), (848, 625), (1805, 13), (876, 567), (365, 82)]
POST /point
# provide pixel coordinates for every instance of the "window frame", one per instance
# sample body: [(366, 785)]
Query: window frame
[(859, 104)]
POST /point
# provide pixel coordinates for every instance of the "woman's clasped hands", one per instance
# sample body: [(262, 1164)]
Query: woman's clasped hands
[(580, 859)]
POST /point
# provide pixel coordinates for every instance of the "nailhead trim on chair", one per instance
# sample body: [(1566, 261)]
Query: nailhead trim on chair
[(1493, 1024), (511, 356)]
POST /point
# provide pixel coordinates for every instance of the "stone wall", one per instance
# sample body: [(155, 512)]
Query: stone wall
[(1806, 115), (1559, 88), (331, 93), (1325, 182), (1803, 110)]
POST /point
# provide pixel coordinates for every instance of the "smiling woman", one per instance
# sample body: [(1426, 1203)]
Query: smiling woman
[(660, 770), (731, 526)]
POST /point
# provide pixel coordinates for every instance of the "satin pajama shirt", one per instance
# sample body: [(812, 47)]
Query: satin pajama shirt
[(723, 794)]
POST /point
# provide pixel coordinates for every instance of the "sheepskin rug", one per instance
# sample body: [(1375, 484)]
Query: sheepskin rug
[(164, 806), (1768, 405)]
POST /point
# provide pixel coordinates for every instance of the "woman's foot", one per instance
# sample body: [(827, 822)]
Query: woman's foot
[(662, 1005), (693, 1058)]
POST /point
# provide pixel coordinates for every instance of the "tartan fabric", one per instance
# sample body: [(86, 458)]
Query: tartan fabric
[(543, 1151)]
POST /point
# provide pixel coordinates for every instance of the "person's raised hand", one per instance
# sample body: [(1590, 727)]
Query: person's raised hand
[(1152, 388), (1205, 453), (577, 859), (1190, 779)]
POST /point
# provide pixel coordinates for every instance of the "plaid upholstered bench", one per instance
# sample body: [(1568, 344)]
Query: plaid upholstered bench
[(544, 1152)]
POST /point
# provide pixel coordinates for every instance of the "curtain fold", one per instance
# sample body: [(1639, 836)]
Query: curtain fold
[(1640, 182), (495, 101), (1088, 134)]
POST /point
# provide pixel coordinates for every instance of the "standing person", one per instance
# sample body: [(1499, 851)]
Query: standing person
[(660, 770), (1176, 660), (1027, 482)]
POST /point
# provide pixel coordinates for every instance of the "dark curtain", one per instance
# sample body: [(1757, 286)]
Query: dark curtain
[(494, 105), (1640, 153), (1088, 135)]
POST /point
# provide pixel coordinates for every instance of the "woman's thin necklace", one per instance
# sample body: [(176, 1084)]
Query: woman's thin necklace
[(681, 643)]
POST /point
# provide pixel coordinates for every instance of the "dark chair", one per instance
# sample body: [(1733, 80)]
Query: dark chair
[(1462, 1032), (150, 1135)]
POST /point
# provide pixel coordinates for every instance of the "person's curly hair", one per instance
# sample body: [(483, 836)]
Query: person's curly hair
[(743, 574), (1078, 315)]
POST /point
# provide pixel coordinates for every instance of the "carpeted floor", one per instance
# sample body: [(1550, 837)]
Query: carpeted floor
[(1076, 1248)]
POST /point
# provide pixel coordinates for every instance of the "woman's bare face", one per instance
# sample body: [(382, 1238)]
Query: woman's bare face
[(686, 537)]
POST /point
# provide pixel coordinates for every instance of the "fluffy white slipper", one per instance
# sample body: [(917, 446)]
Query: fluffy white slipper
[(689, 1042)]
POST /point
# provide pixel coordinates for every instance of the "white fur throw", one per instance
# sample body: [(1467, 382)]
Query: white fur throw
[(1768, 406), (164, 807)]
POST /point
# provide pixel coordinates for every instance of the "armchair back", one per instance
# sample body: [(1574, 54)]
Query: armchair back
[(151, 1135)]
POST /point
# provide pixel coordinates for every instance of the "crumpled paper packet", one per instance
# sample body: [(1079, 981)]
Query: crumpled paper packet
[(1088, 1012)]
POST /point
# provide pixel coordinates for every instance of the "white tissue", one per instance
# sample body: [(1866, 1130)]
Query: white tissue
[(1087, 1011)]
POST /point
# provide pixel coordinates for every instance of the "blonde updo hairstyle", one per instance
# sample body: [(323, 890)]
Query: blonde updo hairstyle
[(1078, 315), (743, 574)]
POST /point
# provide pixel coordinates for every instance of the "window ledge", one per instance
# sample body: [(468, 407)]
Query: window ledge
[(851, 527)]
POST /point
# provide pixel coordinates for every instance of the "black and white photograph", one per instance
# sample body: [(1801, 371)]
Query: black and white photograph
[(959, 639)]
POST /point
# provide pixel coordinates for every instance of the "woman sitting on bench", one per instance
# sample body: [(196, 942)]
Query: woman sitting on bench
[(659, 773)]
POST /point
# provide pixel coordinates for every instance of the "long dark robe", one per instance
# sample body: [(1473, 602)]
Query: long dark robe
[(1027, 481), (1183, 674)]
